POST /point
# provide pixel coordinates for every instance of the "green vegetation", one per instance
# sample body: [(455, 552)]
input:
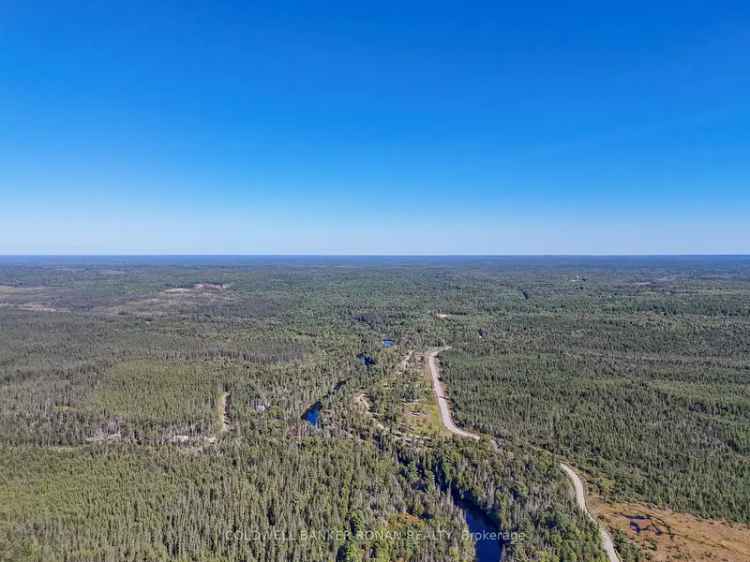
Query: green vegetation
[(110, 414), (250, 502), (645, 386)]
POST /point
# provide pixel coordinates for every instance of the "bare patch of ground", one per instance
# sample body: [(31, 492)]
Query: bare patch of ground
[(31, 307), (670, 537), (102, 437), (29, 299), (176, 298), (198, 288), (362, 401), (210, 286), (12, 290), (222, 411), (37, 307)]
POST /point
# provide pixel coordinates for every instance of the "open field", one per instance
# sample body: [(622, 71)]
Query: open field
[(671, 537)]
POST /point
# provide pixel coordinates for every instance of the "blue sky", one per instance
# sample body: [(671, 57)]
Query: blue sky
[(386, 128)]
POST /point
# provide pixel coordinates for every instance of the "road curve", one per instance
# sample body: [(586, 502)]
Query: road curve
[(445, 415), (437, 386), (607, 544)]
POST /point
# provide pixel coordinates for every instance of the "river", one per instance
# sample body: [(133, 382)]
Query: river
[(488, 545)]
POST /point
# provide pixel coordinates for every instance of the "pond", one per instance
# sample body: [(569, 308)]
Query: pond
[(312, 414)]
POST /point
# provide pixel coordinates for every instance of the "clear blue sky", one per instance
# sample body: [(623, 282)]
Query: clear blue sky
[(375, 127)]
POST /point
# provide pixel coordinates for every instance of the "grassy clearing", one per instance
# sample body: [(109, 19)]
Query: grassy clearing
[(422, 416)]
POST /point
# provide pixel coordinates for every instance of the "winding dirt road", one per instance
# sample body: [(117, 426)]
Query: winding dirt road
[(445, 416), (442, 400), (607, 544)]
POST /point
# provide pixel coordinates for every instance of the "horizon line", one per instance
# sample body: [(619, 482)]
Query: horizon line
[(374, 255)]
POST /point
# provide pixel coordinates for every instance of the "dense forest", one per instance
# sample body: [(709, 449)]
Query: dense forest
[(643, 384), (153, 411)]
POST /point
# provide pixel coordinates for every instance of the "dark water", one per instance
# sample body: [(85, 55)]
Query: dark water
[(366, 360), (388, 343), (487, 537), (312, 414)]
